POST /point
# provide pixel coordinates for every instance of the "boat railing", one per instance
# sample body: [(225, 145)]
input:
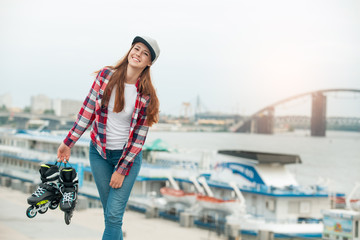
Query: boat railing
[(284, 221), (293, 190), (348, 202)]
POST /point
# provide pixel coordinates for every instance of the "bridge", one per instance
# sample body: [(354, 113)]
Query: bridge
[(22, 120), (263, 120)]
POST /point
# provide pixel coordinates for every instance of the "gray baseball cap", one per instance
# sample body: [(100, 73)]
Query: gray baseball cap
[(151, 44)]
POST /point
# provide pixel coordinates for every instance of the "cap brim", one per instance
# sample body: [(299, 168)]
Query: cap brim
[(140, 39)]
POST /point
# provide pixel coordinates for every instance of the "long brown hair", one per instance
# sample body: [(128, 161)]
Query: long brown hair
[(145, 87)]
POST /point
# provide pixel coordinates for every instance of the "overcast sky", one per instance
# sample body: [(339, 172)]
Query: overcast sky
[(238, 56)]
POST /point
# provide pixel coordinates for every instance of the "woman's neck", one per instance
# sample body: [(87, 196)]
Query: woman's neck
[(132, 75)]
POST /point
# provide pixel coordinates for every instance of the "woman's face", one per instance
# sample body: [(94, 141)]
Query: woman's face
[(139, 56)]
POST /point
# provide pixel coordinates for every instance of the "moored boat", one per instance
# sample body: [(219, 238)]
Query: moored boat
[(271, 197)]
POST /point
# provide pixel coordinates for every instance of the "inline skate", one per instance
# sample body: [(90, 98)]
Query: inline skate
[(47, 195), (68, 180)]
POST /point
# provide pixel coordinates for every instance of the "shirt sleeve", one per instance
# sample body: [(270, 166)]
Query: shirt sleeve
[(137, 141), (86, 114)]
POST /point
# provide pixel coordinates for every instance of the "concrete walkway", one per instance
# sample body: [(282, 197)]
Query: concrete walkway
[(85, 225)]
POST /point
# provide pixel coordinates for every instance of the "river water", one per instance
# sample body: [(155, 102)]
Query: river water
[(335, 157)]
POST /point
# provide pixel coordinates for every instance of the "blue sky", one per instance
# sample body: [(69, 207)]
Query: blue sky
[(238, 56)]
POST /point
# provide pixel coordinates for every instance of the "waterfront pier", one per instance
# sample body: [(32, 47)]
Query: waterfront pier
[(85, 225)]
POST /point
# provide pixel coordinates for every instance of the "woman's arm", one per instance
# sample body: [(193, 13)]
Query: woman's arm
[(86, 114), (85, 117)]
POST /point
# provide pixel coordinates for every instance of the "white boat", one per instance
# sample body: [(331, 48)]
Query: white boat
[(251, 190), (344, 223), (275, 202), (173, 195)]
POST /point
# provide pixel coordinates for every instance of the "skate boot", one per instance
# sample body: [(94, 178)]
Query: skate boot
[(47, 194), (69, 188)]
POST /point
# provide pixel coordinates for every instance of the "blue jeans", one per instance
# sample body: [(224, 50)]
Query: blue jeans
[(113, 200)]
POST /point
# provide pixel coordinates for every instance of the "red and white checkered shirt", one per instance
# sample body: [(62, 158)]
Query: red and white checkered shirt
[(92, 110)]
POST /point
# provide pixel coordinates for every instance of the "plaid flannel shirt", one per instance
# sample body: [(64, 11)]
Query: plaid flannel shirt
[(92, 110)]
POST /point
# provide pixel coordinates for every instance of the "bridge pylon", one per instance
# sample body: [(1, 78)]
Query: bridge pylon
[(263, 120), (263, 123), (318, 114)]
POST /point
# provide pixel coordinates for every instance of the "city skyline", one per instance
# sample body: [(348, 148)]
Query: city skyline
[(298, 107), (238, 56)]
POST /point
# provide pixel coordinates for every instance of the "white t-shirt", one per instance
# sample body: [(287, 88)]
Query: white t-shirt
[(118, 124)]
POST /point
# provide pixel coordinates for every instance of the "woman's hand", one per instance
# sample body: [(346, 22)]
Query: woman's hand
[(63, 153), (116, 180)]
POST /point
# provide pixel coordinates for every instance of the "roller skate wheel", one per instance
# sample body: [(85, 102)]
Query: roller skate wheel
[(31, 212), (67, 217), (53, 205), (42, 211)]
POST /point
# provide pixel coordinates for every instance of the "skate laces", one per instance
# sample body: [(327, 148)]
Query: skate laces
[(68, 197), (43, 187), (39, 191)]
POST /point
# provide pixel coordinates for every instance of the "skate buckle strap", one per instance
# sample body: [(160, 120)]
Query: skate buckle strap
[(65, 164), (69, 184), (47, 187), (61, 163)]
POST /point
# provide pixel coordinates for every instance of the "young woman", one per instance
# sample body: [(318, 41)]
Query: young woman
[(120, 107)]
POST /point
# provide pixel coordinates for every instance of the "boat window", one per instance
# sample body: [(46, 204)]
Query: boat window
[(293, 207), (270, 205), (77, 152), (32, 144), (356, 229), (83, 153), (305, 207), (253, 201)]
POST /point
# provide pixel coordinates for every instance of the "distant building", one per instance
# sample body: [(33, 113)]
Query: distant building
[(6, 100), (61, 107), (56, 106), (69, 107), (40, 103)]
